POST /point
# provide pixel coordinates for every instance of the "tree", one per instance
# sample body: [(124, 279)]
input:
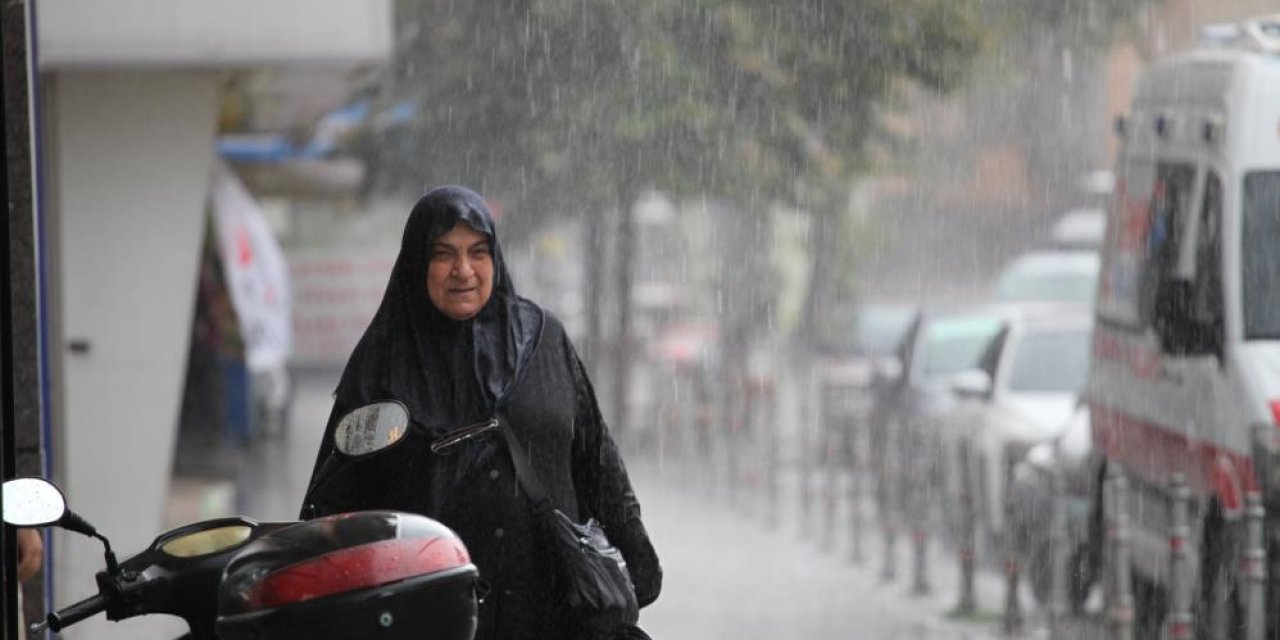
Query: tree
[(561, 105)]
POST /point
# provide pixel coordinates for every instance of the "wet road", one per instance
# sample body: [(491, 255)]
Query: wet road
[(729, 573)]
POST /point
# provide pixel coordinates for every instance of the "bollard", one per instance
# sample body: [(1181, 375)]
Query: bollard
[(1255, 568), (1120, 606), (1058, 541), (771, 471), (968, 520), (1108, 528), (738, 415), (920, 585), (1180, 621), (831, 486), (856, 470), (915, 504), (1013, 615), (806, 464), (889, 570), (891, 507)]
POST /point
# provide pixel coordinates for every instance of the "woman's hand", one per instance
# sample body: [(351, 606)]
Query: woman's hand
[(30, 553)]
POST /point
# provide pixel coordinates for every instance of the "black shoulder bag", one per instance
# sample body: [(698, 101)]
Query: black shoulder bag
[(593, 576)]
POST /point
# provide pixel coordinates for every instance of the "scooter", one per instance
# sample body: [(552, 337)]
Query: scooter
[(181, 572), (177, 574)]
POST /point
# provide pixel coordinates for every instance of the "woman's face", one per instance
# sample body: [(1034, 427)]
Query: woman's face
[(460, 272)]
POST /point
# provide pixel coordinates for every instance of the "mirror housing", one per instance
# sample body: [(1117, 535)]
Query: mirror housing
[(971, 383), (361, 432), (33, 502)]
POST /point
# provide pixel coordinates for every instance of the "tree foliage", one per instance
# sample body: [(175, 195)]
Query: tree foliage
[(573, 107), (555, 100)]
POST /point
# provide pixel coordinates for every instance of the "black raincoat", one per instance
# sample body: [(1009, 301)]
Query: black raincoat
[(512, 359)]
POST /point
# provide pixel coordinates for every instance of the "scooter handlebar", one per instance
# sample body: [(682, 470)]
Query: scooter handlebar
[(75, 613)]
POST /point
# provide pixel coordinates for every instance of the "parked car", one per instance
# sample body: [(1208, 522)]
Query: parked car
[(1020, 393), (941, 343), (1050, 275), (847, 376), (1082, 228), (1070, 456)]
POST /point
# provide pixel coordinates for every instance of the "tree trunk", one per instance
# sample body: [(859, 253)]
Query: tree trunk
[(594, 275), (824, 245), (625, 274)]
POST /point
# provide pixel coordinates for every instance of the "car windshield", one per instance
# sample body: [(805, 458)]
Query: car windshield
[(1260, 262), (1067, 278), (879, 329), (1054, 360), (955, 344)]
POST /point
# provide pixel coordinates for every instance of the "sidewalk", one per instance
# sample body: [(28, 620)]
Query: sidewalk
[(731, 575), (735, 570)]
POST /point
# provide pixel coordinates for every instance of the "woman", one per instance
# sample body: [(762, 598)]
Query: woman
[(456, 345)]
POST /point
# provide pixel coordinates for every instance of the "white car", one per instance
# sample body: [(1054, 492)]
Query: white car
[(1050, 275), (1071, 456), (1022, 393)]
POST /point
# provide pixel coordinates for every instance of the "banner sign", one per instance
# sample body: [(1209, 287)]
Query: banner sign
[(256, 272)]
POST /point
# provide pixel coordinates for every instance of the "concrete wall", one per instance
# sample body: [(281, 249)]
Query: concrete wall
[(129, 156)]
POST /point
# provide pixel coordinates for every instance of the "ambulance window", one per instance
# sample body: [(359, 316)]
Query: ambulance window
[(1168, 214), (1206, 301), (1260, 262), (1119, 283)]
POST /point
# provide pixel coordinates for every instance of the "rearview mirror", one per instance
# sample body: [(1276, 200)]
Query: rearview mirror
[(33, 502), (371, 428), (971, 383)]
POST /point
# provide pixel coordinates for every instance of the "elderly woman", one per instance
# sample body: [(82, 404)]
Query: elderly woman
[(454, 343)]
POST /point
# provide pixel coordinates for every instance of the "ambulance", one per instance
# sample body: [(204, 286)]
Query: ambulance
[(1185, 366)]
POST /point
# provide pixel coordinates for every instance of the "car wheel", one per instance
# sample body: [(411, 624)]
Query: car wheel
[(1079, 576), (1039, 564)]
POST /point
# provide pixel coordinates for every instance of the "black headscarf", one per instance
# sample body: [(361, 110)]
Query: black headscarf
[(447, 372)]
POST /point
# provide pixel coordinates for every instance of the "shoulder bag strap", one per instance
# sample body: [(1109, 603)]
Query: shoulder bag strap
[(524, 470)]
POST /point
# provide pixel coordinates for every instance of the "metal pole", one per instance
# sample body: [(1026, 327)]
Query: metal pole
[(968, 521), (890, 514), (1180, 622), (920, 585), (917, 506), (1255, 568), (1120, 607), (806, 459), (833, 452), (734, 415), (1013, 615), (1058, 548), (856, 470), (889, 570), (771, 418)]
